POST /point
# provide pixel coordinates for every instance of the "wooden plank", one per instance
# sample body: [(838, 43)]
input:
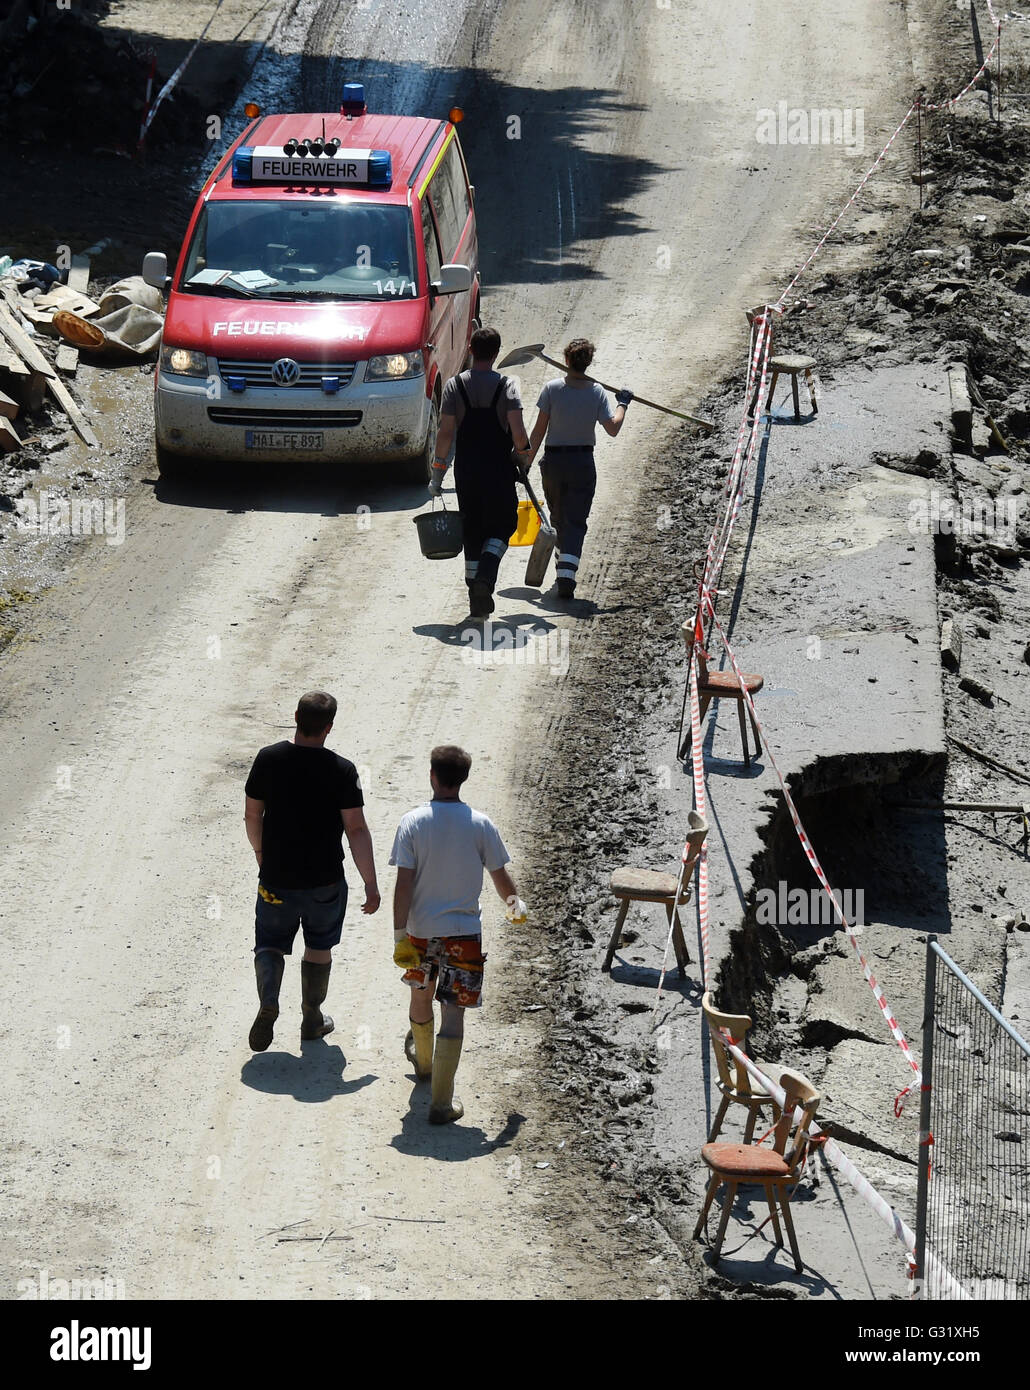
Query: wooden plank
[(67, 359), (9, 440), (11, 362), (35, 359), (8, 408), (23, 344), (31, 391), (63, 396), (78, 274)]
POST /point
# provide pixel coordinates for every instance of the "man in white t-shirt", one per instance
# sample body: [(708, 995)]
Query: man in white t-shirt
[(440, 851)]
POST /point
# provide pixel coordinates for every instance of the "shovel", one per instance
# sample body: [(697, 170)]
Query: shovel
[(546, 540), (526, 354)]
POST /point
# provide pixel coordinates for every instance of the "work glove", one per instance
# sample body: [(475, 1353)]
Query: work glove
[(517, 912), (404, 953), (436, 486), (623, 397)]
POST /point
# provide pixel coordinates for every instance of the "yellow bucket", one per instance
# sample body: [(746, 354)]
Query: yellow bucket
[(528, 525)]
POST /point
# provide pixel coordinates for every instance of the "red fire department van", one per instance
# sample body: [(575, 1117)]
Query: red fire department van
[(327, 287)]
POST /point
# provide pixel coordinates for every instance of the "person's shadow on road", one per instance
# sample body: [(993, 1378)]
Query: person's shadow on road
[(495, 636), (453, 1143), (317, 1075)]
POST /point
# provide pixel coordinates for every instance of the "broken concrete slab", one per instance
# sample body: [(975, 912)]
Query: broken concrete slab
[(961, 402), (840, 1004), (858, 1089), (951, 644), (1015, 1003)]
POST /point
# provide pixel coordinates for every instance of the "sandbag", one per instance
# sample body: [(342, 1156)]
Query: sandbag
[(131, 331), (132, 290)]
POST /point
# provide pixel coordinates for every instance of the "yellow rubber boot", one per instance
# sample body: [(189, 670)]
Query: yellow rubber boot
[(444, 1107), (418, 1048)]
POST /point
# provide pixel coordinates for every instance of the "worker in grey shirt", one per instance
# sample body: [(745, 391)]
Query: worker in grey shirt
[(568, 412)]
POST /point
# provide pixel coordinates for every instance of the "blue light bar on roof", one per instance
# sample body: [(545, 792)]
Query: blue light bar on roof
[(362, 168), (380, 169), (353, 103), (241, 164)]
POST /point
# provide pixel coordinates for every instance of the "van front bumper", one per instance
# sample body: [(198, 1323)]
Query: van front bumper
[(379, 421)]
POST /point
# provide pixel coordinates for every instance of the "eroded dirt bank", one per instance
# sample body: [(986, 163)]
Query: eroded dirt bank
[(944, 285)]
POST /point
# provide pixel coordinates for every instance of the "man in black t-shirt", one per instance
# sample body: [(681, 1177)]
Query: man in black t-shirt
[(301, 799)]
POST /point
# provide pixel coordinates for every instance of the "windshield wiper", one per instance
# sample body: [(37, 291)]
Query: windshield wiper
[(315, 294)]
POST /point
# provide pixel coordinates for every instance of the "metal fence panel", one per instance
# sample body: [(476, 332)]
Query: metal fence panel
[(974, 1189)]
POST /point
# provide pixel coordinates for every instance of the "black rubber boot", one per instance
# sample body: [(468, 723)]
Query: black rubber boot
[(481, 598), (268, 967), (314, 984)]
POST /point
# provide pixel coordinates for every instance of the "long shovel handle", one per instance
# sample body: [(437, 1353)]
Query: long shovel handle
[(666, 409), (540, 510)]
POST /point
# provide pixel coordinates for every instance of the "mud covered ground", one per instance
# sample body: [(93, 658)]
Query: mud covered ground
[(942, 285), (946, 284)]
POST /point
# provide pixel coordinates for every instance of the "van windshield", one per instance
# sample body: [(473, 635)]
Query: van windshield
[(301, 250)]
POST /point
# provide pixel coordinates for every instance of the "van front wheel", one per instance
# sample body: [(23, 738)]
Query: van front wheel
[(419, 469)]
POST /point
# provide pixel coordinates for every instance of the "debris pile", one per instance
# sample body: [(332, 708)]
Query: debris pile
[(43, 324)]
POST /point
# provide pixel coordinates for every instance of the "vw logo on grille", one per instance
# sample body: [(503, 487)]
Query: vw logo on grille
[(285, 372)]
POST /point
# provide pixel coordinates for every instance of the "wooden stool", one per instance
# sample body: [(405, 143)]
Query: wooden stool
[(721, 685), (647, 886), (793, 364)]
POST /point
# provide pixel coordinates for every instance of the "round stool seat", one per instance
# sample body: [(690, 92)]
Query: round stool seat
[(643, 883), (791, 362), (726, 683)]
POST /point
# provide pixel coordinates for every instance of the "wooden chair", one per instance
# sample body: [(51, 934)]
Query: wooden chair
[(721, 685), (633, 885), (774, 1169), (734, 1081)]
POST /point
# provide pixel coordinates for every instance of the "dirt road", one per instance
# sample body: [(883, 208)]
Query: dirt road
[(145, 1141)]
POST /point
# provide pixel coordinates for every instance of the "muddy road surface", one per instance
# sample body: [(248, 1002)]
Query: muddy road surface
[(622, 195)]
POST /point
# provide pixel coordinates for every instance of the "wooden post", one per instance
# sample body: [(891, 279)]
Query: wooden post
[(999, 73)]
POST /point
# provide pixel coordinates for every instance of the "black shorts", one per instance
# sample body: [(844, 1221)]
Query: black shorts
[(280, 912)]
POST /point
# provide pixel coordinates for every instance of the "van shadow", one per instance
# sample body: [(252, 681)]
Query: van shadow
[(453, 1143), (313, 1077), (351, 492)]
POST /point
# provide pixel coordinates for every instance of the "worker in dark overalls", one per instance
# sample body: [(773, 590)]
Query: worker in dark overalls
[(482, 414), (568, 411)]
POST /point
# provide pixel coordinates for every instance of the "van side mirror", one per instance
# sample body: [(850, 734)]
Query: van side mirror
[(155, 269), (454, 279)]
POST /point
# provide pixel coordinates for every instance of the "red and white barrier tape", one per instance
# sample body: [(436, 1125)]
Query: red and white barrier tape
[(952, 101), (947, 1286), (700, 806), (840, 216), (173, 80), (146, 100), (817, 868), (715, 557)]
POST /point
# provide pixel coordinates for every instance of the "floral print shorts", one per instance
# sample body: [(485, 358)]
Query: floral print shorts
[(455, 963)]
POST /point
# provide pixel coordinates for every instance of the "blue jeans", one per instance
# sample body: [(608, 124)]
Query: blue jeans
[(280, 912)]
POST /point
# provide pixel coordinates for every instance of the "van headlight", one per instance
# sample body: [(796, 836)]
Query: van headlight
[(183, 361), (394, 367)]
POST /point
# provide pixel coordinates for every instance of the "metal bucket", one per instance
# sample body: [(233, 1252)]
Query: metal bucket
[(440, 534)]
